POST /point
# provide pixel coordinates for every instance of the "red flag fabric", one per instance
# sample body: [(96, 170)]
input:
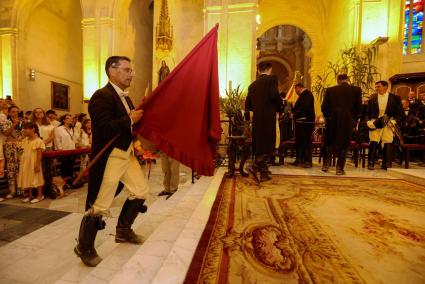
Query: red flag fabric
[(181, 116)]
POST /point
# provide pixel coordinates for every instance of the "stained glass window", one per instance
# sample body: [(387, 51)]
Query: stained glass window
[(413, 27)]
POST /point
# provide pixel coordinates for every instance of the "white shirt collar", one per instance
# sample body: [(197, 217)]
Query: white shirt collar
[(120, 92)]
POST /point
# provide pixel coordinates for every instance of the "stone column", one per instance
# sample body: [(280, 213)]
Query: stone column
[(236, 41), (98, 35), (97, 47), (8, 74)]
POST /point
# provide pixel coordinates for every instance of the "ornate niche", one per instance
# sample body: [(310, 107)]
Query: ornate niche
[(164, 29)]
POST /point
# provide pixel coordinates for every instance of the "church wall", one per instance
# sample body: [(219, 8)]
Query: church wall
[(51, 45), (188, 29), (133, 38)]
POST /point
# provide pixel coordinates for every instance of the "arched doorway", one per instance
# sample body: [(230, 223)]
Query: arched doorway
[(287, 48)]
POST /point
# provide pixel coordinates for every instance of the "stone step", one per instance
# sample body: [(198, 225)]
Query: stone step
[(148, 260), (120, 254), (113, 253)]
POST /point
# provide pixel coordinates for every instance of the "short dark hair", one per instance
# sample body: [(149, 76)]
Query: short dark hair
[(299, 85), (50, 111), (114, 61), (263, 66), (81, 116), (28, 112), (342, 77), (383, 83), (31, 125), (12, 106)]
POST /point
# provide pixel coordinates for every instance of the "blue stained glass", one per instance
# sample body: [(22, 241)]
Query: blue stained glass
[(417, 27)]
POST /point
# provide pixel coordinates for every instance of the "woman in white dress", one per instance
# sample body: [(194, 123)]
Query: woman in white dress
[(64, 139)]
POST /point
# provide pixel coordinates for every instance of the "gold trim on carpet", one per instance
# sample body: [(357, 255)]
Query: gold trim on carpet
[(299, 229)]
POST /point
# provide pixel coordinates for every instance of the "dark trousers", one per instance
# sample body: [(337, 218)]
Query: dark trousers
[(303, 133), (260, 163), (67, 166)]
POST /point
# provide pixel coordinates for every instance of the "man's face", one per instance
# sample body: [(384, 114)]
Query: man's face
[(122, 74), (411, 95), (380, 89), (405, 104), (298, 90), (423, 97), (13, 112)]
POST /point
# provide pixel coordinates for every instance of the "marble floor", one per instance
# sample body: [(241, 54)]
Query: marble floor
[(172, 227)]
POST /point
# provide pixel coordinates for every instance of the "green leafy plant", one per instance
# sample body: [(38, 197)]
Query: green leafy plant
[(232, 105), (357, 64)]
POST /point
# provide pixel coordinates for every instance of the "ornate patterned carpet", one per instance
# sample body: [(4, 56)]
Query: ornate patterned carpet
[(298, 229)]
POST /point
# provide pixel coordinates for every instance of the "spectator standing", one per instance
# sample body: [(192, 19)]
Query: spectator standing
[(45, 128), (12, 129), (53, 118), (64, 140), (30, 175)]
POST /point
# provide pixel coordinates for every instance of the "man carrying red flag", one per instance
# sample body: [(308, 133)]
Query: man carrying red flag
[(112, 114)]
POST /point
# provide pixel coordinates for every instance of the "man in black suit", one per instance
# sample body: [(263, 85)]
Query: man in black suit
[(414, 102), (303, 114), (340, 107), (112, 113), (264, 101), (382, 107)]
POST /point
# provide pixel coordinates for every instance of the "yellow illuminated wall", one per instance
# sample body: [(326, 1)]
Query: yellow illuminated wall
[(236, 41), (374, 21), (6, 66), (97, 34)]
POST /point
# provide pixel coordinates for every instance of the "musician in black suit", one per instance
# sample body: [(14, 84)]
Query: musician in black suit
[(341, 107), (381, 107), (414, 102), (112, 113), (409, 123), (303, 114), (264, 101)]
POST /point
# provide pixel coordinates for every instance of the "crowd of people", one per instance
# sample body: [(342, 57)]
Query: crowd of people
[(24, 136), (383, 120)]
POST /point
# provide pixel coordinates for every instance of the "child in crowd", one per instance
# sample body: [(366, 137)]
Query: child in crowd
[(30, 174)]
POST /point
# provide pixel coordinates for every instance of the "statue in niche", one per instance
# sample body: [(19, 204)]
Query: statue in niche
[(163, 71)]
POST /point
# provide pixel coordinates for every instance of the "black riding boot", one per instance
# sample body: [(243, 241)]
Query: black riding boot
[(308, 157), (244, 157), (387, 155), (298, 156), (326, 152), (129, 212), (85, 247), (340, 164), (373, 148)]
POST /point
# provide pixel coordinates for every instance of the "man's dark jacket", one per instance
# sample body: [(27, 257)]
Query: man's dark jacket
[(304, 107), (108, 117), (340, 107), (393, 110), (264, 101)]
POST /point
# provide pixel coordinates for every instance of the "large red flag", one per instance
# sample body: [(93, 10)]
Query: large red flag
[(181, 116)]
